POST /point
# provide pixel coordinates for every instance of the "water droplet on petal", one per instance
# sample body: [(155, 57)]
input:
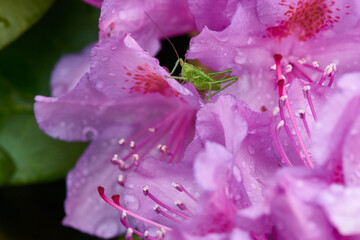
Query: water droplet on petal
[(89, 133), (107, 228), (237, 173), (240, 58), (132, 202), (357, 171), (122, 15), (251, 150)]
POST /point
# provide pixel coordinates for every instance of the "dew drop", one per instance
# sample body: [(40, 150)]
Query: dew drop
[(240, 58), (357, 171), (122, 15), (237, 173), (107, 228), (89, 133), (99, 85), (4, 23), (132, 202), (251, 150)]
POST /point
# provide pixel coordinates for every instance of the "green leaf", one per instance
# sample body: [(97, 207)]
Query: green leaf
[(7, 167), (18, 15), (68, 27), (25, 69), (37, 157)]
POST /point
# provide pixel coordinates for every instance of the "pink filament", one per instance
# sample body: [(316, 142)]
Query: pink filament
[(101, 191), (282, 92), (165, 206), (278, 145)]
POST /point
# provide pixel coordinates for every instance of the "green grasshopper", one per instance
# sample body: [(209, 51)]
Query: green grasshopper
[(203, 82)]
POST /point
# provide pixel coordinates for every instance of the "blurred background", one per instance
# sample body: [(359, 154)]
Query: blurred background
[(33, 36)]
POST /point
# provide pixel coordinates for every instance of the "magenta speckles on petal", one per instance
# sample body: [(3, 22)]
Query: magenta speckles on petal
[(146, 80), (306, 17)]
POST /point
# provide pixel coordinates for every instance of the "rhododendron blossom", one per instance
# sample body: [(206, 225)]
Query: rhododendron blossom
[(274, 156), (129, 110)]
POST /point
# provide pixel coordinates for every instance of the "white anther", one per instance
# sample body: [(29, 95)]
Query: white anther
[(330, 68), (301, 113), (121, 180), (157, 209), (164, 148), (163, 230), (177, 186), (316, 64), (280, 125), (121, 163), (283, 98), (115, 158), (288, 68), (159, 147), (152, 130), (135, 157), (121, 141), (276, 111), (306, 90), (159, 235), (123, 214), (132, 144), (146, 234), (287, 86), (180, 205), (301, 60), (273, 67), (145, 190), (129, 233)]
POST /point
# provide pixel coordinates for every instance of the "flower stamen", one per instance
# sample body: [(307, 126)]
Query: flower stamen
[(306, 92), (275, 137), (173, 128), (116, 204), (152, 197), (158, 210), (180, 188), (285, 101)]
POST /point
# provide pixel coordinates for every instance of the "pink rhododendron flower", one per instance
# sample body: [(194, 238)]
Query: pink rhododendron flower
[(322, 202), (215, 15), (68, 72), (228, 174), (121, 17), (129, 110), (117, 20), (275, 157), (315, 39)]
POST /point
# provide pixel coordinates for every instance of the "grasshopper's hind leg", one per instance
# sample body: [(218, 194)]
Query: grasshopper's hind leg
[(227, 71), (209, 93), (183, 79), (232, 79)]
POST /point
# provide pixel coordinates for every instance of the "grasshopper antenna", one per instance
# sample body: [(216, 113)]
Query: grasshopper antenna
[(162, 32)]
